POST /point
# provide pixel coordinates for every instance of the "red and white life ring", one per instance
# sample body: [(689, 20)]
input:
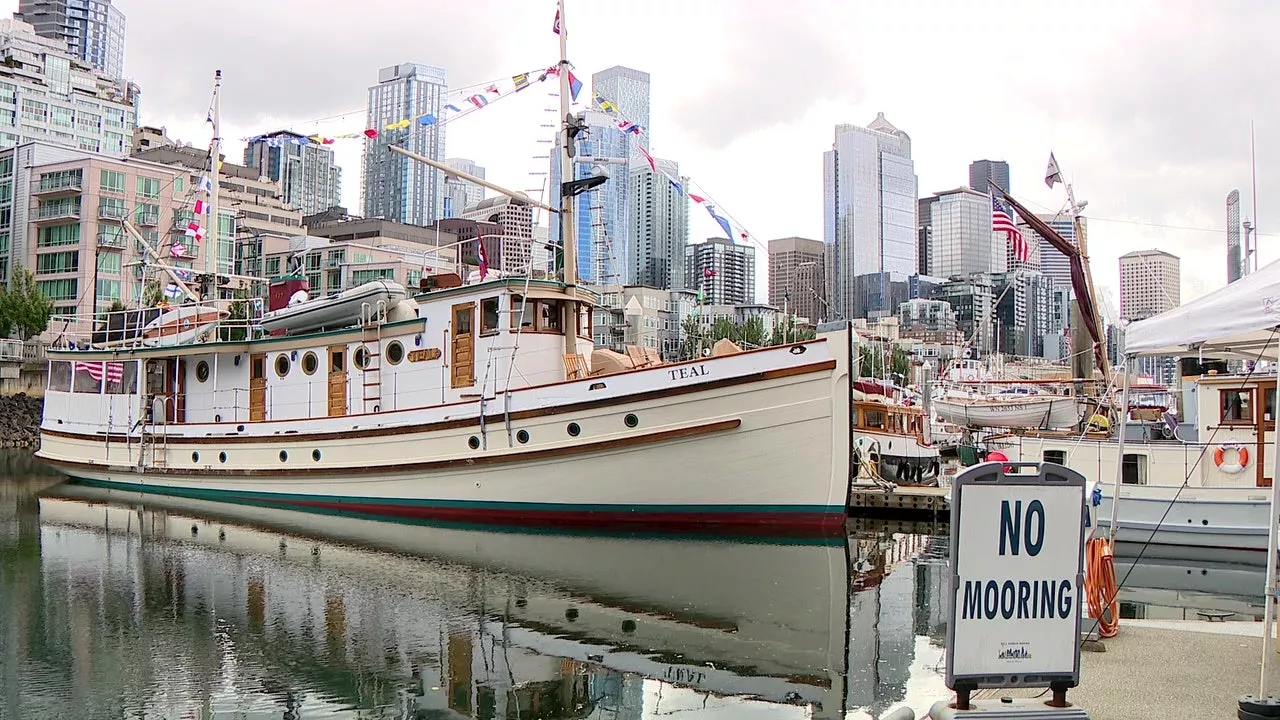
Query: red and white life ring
[(1242, 459)]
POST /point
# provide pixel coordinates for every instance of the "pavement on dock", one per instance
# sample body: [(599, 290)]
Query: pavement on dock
[(1169, 669)]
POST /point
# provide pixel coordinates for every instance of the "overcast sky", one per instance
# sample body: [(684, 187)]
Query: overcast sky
[(1147, 104)]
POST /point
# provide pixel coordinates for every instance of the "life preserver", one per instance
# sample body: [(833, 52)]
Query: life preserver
[(1242, 459)]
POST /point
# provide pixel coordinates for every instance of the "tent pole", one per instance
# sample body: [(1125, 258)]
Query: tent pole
[(1270, 590), (1121, 423)]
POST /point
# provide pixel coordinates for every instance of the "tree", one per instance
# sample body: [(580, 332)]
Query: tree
[(786, 330), (878, 363), (24, 308)]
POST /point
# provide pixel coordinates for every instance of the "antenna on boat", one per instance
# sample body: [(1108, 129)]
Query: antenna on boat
[(212, 244)]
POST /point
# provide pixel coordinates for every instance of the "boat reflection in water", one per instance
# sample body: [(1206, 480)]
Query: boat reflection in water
[(180, 608)]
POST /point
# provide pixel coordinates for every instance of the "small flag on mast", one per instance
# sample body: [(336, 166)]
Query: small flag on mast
[(484, 258), (555, 28), (1001, 222), (1052, 174)]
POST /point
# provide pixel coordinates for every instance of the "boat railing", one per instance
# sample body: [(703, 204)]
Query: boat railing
[(239, 320)]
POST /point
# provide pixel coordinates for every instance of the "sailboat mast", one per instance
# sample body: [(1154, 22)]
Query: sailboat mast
[(212, 246), (1250, 253), (568, 226)]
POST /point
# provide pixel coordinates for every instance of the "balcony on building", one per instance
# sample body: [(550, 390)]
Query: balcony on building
[(58, 211), (107, 241), (61, 184), (147, 219), (112, 213)]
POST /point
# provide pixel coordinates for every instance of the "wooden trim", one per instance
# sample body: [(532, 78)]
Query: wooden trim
[(296, 437), (468, 461), (1253, 407)]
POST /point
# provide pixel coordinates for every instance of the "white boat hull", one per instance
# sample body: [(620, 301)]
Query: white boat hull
[(1038, 412), (1226, 518)]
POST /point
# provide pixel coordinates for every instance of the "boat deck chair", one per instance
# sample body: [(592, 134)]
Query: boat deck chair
[(575, 366), (638, 357), (652, 356)]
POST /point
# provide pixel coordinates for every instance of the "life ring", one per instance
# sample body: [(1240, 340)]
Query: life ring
[(1242, 459)]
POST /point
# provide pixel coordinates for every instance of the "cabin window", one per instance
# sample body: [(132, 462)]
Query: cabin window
[(82, 377), (1269, 408), (526, 309), (1237, 406), (202, 371), (309, 363), (338, 360), (282, 365), (395, 352), (1135, 469), (1057, 457), (360, 357), (128, 374), (873, 419), (549, 316), (60, 376), (489, 316)]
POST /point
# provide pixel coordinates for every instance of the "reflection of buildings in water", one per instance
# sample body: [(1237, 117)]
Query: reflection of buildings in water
[(330, 626)]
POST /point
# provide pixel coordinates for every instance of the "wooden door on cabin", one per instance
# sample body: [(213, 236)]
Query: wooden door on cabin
[(180, 392), (462, 354), (1266, 423), (167, 369), (257, 387), (337, 380)]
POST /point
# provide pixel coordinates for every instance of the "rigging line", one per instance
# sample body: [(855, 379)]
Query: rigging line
[(1146, 223)]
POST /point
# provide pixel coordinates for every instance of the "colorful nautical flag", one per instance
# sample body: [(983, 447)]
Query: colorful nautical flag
[(453, 107), (555, 27), (478, 100), (204, 185), (697, 198), (484, 258), (652, 165), (675, 185), (627, 126), (427, 119), (575, 86), (195, 231), (172, 291), (708, 272), (371, 133), (493, 89), (177, 250), (521, 81), (183, 274), (604, 105), (1051, 174), (724, 224), (202, 207), (1001, 222)]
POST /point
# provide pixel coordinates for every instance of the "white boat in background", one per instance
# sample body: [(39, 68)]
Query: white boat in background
[(182, 326), (1018, 411), (346, 308)]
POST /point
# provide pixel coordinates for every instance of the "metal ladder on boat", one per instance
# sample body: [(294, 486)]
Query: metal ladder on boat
[(153, 445), (371, 319)]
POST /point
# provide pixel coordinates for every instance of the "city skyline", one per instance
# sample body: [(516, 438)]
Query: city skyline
[(1145, 189)]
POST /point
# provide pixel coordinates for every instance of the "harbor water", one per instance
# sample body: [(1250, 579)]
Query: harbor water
[(117, 605)]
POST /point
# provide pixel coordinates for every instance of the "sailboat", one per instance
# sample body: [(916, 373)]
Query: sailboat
[(484, 403)]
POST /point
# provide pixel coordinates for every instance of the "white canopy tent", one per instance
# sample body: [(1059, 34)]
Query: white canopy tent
[(1240, 321)]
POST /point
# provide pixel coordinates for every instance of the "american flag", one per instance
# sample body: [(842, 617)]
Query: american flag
[(115, 370), (1001, 222)]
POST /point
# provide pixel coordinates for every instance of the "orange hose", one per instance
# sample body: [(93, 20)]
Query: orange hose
[(1100, 587)]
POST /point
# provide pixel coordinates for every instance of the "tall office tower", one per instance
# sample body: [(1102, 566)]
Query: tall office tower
[(92, 30), (963, 242), (396, 187), (1150, 283), (1053, 263), (602, 216), (983, 172), (869, 226), (797, 267), (659, 227), (629, 90), (310, 180), (924, 240)]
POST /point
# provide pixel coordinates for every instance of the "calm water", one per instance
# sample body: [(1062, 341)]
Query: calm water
[(118, 606)]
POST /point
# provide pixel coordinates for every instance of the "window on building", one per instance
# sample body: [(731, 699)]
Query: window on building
[(1237, 406), (108, 290), (1058, 457), (58, 235), (113, 208), (60, 290), (549, 316), (148, 187), (489, 315), (273, 267), (146, 214), (529, 312), (110, 263), (58, 262)]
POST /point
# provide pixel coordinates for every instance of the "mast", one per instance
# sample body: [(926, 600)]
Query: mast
[(568, 227), (212, 247), (1250, 257)]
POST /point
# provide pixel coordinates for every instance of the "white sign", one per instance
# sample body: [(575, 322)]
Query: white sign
[(1016, 557)]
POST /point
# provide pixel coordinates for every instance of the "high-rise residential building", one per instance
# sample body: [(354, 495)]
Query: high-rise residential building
[(659, 226), (396, 187), (459, 194), (513, 243), (962, 240), (1235, 253), (61, 215), (91, 30), (628, 89), (924, 239), (310, 181), (602, 216), (869, 226), (983, 172), (46, 94), (725, 273), (1052, 262), (644, 317), (1150, 283), (797, 267)]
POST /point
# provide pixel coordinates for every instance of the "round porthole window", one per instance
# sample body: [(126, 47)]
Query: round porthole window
[(282, 365), (202, 371), (395, 352), (361, 357), (631, 420), (473, 442), (284, 456), (574, 429), (222, 457), (309, 363), (522, 436), (315, 455), (195, 457)]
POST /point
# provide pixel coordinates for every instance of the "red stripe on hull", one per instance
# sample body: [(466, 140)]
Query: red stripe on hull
[(798, 524)]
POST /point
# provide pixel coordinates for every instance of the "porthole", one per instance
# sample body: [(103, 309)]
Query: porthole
[(202, 371), (522, 436), (239, 428), (360, 358), (395, 352), (628, 626), (574, 429), (282, 365), (222, 457), (315, 455), (195, 457), (284, 456), (473, 442), (631, 420), (309, 363)]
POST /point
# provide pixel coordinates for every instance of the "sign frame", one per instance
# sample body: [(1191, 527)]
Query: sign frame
[(1013, 474)]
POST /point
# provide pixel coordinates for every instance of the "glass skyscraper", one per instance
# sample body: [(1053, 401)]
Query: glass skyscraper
[(396, 187), (629, 90), (309, 178), (983, 172), (602, 216), (869, 215), (92, 29)]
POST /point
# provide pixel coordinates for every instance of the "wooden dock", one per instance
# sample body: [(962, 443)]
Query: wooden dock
[(924, 503)]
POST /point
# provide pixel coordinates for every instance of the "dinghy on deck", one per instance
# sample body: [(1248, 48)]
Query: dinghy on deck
[(341, 310)]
